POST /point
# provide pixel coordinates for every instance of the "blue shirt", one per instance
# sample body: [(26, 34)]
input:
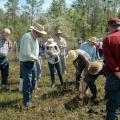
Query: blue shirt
[(91, 50)]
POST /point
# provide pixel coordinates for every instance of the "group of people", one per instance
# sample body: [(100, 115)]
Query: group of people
[(86, 61)]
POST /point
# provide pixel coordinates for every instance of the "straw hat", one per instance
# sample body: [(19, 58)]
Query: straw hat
[(95, 67), (39, 28), (50, 42), (72, 55), (92, 39)]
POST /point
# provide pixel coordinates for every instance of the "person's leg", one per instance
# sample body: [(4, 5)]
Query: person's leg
[(38, 68), (112, 90), (77, 84), (51, 68), (21, 79), (27, 84), (57, 66), (34, 78), (5, 73), (90, 79)]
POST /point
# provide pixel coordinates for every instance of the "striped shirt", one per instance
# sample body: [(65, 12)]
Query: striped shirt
[(4, 46)]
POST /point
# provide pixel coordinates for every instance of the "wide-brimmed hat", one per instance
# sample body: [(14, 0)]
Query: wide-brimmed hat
[(50, 42), (92, 39), (95, 67), (39, 28), (72, 55), (59, 32)]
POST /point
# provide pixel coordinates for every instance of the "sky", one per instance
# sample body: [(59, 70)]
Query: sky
[(45, 5)]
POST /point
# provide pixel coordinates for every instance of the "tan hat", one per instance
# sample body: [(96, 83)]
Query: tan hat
[(72, 55), (39, 28), (92, 39), (59, 32), (95, 67), (50, 42)]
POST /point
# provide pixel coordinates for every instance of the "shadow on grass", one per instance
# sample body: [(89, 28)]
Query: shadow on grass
[(73, 104), (10, 104), (55, 94), (69, 83), (76, 102)]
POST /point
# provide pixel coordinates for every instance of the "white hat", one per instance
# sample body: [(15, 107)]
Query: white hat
[(39, 28), (50, 42), (7, 30), (72, 55), (95, 67)]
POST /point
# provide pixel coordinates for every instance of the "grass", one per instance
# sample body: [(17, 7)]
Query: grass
[(51, 103)]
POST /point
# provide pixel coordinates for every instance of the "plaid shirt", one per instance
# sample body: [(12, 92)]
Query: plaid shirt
[(4, 46)]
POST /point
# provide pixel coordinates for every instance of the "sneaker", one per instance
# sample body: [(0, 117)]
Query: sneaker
[(53, 85), (30, 105)]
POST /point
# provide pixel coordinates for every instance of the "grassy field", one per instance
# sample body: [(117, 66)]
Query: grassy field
[(51, 103)]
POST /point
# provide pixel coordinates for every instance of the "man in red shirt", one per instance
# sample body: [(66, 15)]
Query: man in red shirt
[(111, 49)]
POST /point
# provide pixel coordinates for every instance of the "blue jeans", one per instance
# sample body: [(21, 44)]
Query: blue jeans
[(4, 67), (112, 90), (38, 68), (29, 81), (20, 69), (51, 68)]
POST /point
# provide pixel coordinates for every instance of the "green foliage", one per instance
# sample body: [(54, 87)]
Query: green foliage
[(84, 18)]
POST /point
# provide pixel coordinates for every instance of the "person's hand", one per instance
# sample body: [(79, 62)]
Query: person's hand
[(37, 61), (49, 53), (117, 74)]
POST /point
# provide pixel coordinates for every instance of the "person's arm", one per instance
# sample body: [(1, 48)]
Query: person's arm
[(75, 63), (46, 51), (109, 59)]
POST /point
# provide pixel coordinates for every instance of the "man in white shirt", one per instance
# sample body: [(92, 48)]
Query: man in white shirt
[(29, 55), (62, 46), (5, 44)]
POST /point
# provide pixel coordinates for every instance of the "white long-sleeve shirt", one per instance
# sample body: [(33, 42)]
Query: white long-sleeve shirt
[(29, 48), (62, 44), (52, 53)]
